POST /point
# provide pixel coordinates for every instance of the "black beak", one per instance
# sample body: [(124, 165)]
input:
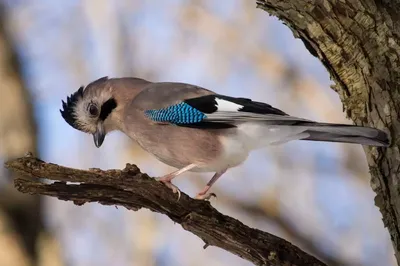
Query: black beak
[(99, 136)]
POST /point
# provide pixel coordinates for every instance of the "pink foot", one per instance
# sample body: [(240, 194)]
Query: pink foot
[(167, 182), (205, 196)]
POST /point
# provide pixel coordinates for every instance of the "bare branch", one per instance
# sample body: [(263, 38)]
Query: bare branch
[(134, 190), (265, 211)]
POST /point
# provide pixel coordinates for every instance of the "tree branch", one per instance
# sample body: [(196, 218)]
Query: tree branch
[(263, 211), (134, 190)]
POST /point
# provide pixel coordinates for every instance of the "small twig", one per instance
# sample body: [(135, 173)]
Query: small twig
[(134, 190)]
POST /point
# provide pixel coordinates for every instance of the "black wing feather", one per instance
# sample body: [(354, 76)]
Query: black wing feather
[(208, 104)]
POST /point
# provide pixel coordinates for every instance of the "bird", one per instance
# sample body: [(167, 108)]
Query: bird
[(194, 129)]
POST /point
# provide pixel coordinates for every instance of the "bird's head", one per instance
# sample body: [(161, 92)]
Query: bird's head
[(90, 109)]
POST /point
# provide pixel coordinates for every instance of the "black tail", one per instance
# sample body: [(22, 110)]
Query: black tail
[(346, 134)]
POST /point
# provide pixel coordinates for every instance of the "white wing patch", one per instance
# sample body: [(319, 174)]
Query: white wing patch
[(228, 106)]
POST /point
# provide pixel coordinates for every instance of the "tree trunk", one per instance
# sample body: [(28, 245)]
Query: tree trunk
[(358, 42), (17, 136)]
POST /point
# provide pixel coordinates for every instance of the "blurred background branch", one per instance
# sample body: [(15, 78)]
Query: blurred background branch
[(20, 214)]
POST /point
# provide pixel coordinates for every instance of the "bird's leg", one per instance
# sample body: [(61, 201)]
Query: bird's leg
[(203, 195), (166, 179)]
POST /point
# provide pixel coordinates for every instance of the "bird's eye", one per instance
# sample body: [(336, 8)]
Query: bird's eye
[(93, 110)]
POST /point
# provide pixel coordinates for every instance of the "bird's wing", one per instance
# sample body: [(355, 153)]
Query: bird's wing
[(164, 94), (217, 110)]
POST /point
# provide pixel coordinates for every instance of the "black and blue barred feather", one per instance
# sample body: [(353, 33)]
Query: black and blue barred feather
[(193, 112), (181, 113)]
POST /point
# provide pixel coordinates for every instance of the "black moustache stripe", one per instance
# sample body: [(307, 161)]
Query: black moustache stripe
[(107, 108)]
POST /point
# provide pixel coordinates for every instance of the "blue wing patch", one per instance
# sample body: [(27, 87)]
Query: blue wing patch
[(181, 113)]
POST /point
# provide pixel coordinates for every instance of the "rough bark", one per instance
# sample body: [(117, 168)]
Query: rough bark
[(133, 190), (358, 42), (17, 135), (266, 210)]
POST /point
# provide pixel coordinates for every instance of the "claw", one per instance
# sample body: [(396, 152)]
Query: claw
[(167, 178), (171, 186), (205, 196)]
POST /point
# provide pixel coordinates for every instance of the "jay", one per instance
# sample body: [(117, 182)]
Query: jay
[(195, 129)]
